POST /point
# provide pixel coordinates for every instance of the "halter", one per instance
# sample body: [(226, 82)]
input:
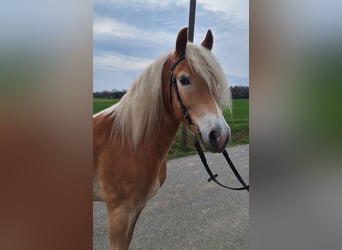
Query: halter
[(196, 133)]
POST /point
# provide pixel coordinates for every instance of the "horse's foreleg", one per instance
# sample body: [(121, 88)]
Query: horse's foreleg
[(118, 228), (132, 225)]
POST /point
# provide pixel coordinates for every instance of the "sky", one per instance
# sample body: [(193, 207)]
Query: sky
[(130, 34)]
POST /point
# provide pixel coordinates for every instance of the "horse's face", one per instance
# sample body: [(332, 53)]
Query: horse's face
[(201, 105)]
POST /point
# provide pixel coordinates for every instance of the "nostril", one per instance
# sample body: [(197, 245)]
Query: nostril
[(213, 136)]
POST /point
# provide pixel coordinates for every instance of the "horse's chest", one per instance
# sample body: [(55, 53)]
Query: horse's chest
[(154, 187), (156, 181)]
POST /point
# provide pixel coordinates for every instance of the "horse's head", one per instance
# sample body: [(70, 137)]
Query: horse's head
[(202, 89)]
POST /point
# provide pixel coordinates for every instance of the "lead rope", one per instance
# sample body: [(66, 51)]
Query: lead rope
[(213, 176), (197, 145)]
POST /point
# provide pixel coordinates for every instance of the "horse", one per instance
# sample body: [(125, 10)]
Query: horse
[(131, 139)]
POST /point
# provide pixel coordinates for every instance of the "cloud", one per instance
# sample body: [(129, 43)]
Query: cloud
[(115, 70), (139, 31), (119, 62), (236, 10), (145, 4), (232, 9), (107, 27)]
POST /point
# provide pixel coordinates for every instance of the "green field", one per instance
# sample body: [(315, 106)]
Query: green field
[(238, 121), (102, 103)]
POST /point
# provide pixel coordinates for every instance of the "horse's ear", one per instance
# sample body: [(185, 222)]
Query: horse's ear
[(182, 39), (208, 40)]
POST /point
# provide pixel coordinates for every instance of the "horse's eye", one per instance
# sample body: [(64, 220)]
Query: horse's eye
[(184, 81)]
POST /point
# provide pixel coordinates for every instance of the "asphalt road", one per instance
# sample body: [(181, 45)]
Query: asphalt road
[(188, 212)]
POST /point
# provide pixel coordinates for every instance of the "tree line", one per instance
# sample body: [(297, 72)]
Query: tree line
[(117, 94), (238, 92)]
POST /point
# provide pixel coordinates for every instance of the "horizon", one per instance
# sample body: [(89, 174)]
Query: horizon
[(114, 90)]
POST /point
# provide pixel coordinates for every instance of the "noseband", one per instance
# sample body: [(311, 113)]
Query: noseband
[(197, 133)]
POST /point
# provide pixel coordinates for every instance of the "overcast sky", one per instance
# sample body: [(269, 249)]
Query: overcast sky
[(130, 34)]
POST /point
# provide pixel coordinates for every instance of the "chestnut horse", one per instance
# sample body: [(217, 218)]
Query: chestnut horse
[(132, 138)]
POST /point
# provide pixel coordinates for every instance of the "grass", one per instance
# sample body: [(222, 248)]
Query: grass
[(102, 103), (238, 121)]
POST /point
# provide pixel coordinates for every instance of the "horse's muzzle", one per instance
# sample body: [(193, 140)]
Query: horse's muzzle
[(215, 132), (217, 139)]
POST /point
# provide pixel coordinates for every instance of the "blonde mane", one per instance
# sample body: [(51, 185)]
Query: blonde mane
[(204, 63), (141, 109)]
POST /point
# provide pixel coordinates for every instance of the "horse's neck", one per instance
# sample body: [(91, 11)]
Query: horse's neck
[(165, 136)]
